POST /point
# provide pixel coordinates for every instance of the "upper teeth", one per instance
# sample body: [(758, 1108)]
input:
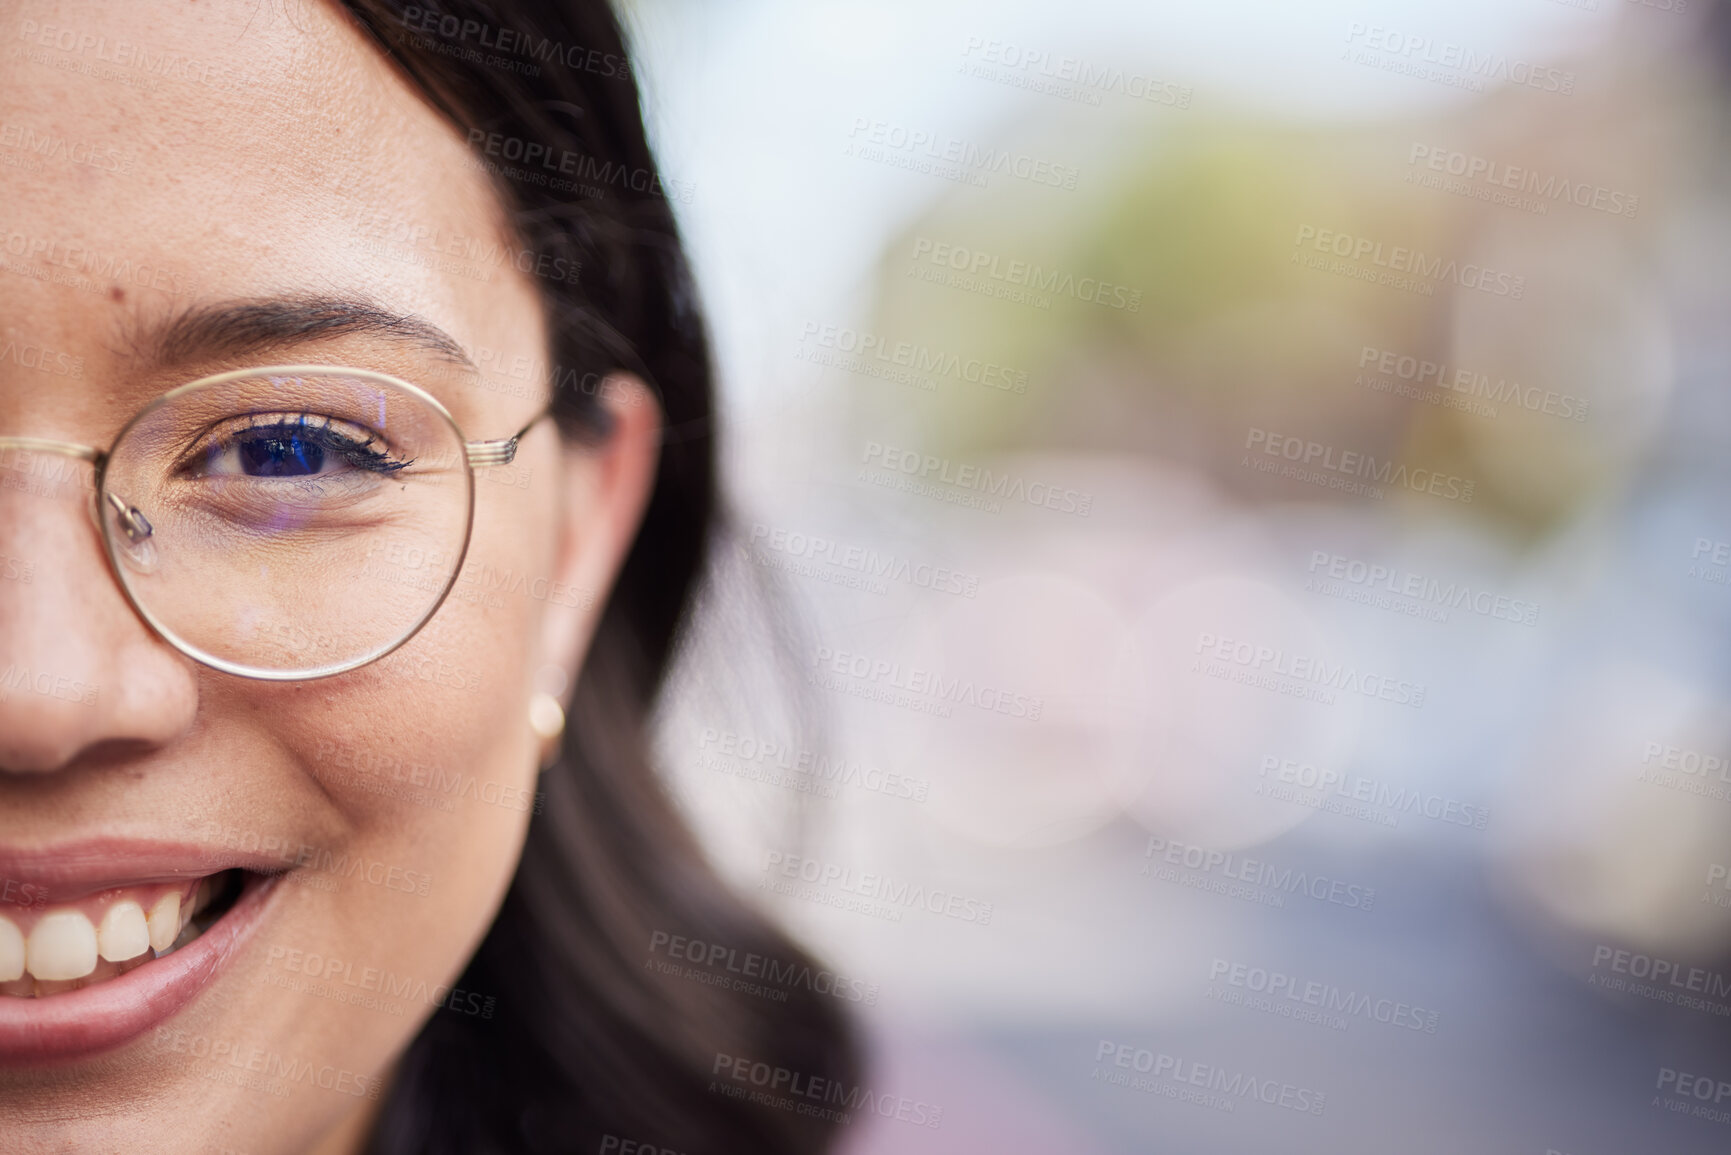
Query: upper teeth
[(11, 952), (123, 933), (65, 945), (62, 946), (164, 921)]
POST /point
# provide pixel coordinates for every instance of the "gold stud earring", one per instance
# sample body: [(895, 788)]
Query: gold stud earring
[(547, 720)]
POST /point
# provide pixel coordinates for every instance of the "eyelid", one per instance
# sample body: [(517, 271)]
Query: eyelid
[(375, 442)]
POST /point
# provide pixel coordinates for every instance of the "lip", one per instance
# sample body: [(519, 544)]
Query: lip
[(72, 870), (84, 1022)]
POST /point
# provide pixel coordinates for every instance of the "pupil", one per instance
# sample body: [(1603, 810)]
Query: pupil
[(287, 455)]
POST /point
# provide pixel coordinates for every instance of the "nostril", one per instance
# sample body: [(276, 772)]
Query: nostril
[(56, 754), (37, 757)]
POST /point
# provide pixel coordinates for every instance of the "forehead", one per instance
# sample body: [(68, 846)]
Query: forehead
[(184, 153)]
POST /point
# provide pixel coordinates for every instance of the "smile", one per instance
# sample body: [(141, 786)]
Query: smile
[(69, 947), (98, 957)]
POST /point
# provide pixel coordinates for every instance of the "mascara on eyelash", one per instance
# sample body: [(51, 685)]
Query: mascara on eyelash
[(356, 453)]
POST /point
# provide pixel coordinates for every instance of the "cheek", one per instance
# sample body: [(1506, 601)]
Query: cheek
[(407, 789), (427, 758), (438, 730)]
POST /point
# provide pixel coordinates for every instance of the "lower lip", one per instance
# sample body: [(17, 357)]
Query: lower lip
[(99, 1017)]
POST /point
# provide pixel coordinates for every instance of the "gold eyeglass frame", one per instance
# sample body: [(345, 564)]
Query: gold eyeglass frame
[(476, 455)]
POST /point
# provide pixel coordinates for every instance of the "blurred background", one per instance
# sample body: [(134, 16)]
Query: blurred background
[(1245, 490)]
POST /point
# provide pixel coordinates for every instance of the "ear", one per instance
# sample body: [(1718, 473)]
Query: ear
[(602, 493)]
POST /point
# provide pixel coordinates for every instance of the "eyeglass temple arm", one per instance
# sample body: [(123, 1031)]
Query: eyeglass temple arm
[(500, 450)]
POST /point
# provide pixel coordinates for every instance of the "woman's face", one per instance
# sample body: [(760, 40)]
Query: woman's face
[(158, 164)]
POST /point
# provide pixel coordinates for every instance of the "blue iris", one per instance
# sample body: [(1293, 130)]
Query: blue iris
[(287, 454)]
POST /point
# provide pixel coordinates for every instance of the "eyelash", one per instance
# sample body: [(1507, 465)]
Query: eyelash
[(313, 426)]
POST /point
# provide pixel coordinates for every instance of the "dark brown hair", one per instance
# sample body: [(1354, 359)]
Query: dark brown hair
[(586, 1040)]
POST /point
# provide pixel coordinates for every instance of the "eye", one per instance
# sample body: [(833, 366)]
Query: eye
[(296, 446)]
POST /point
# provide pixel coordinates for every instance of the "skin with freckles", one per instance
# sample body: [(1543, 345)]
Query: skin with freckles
[(284, 161)]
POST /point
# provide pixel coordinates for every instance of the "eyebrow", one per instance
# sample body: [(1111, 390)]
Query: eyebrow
[(245, 327)]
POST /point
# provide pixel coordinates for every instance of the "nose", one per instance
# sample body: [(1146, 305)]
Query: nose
[(79, 672)]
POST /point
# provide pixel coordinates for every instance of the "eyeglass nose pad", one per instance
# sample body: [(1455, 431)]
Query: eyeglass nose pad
[(134, 534)]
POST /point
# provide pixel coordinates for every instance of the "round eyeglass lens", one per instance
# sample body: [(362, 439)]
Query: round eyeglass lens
[(288, 523)]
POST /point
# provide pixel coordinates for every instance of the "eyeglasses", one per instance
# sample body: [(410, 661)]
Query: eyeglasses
[(289, 522)]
